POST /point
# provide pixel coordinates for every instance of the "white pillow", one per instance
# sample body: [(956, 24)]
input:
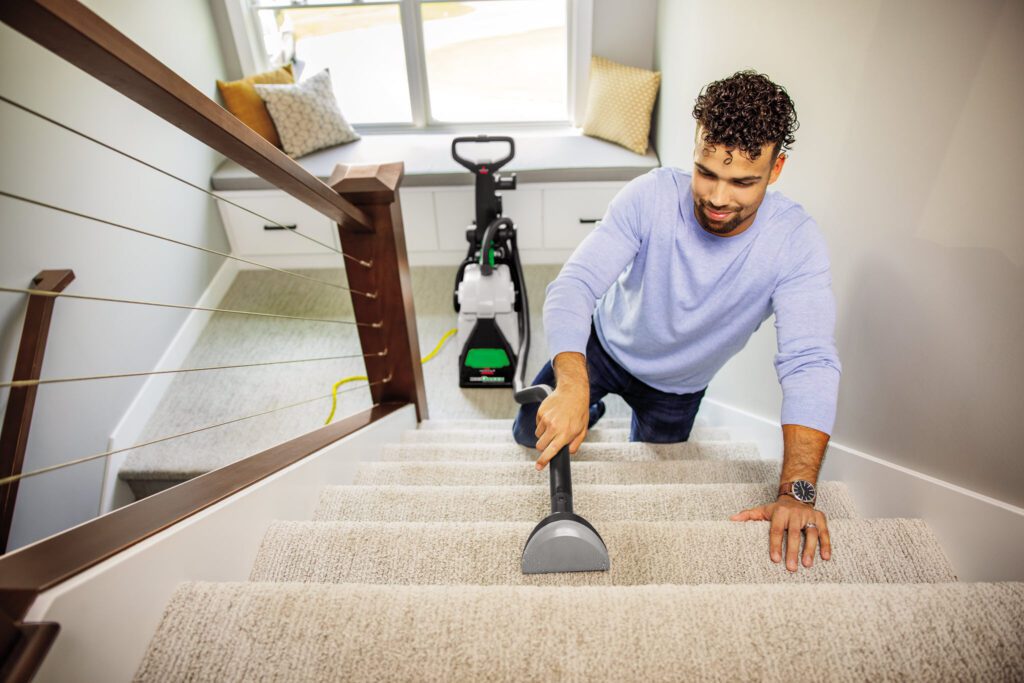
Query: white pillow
[(306, 115)]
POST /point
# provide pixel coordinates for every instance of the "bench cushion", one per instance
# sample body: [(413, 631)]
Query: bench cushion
[(540, 158)]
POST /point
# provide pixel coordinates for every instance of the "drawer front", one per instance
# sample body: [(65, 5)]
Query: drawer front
[(418, 219), (526, 209), (251, 234), (571, 213), (456, 210)]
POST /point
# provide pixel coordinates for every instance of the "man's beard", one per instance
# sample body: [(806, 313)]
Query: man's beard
[(716, 228)]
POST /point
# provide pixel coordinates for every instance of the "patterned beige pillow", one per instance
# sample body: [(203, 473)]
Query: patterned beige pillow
[(619, 103), (306, 115)]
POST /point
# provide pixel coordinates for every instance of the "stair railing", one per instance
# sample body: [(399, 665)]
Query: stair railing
[(362, 200)]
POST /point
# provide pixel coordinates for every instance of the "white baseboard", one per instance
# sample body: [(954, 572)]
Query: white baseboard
[(116, 493), (976, 531)]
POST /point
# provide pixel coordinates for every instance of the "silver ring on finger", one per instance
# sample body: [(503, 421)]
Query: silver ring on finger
[(810, 525)]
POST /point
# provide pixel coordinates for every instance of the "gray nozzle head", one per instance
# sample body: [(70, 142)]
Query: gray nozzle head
[(565, 542)]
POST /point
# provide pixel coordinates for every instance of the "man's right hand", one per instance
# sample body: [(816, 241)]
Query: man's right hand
[(562, 417)]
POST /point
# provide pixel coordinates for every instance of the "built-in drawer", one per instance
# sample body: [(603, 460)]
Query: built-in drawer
[(456, 209), (418, 219), (251, 234), (572, 211)]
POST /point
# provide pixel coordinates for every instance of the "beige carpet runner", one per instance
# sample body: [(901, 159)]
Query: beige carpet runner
[(412, 574)]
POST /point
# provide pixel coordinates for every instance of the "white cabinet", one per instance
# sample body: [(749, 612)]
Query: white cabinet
[(551, 219), (456, 211), (525, 206), (253, 235), (418, 219), (571, 212)]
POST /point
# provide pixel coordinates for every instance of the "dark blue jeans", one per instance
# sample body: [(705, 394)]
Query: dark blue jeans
[(658, 416)]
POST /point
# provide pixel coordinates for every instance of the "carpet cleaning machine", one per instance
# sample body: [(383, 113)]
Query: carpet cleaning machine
[(494, 337)]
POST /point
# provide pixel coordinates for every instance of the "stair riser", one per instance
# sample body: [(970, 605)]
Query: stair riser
[(506, 425), (597, 504), (524, 474), (603, 452), (679, 553), (597, 434)]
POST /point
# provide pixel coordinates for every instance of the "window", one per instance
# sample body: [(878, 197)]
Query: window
[(428, 63)]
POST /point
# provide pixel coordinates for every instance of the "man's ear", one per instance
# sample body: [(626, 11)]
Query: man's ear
[(780, 161)]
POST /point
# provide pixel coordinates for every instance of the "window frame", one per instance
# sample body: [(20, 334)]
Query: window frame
[(252, 55)]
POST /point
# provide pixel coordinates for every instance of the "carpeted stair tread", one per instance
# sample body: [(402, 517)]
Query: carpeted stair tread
[(521, 473), (621, 452), (489, 553), (610, 434), (596, 502), (834, 632)]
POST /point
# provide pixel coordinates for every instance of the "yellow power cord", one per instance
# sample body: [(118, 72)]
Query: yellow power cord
[(356, 378)]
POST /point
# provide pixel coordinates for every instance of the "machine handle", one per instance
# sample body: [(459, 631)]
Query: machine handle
[(533, 394), (490, 167), (561, 481)]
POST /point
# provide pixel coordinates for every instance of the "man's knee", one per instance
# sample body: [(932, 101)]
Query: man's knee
[(525, 426)]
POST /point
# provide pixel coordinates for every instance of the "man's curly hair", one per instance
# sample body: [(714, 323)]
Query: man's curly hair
[(746, 111)]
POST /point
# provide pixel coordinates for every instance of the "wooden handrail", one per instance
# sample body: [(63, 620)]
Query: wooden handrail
[(24, 648), (31, 570), (72, 31)]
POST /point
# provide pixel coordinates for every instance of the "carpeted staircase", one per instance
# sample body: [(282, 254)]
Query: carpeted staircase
[(412, 573)]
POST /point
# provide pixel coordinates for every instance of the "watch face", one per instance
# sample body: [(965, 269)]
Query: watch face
[(803, 491)]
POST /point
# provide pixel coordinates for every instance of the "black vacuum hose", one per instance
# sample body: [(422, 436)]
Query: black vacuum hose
[(519, 380), (489, 233)]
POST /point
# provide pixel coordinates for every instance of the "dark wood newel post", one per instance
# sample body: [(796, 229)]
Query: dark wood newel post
[(374, 189), (21, 401)]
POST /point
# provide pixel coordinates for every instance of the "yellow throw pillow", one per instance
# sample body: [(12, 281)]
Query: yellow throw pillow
[(241, 99), (619, 103)]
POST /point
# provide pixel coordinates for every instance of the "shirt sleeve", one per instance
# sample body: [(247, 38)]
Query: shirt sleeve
[(597, 262), (805, 317)]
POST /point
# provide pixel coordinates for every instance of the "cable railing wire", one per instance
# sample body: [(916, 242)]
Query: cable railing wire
[(137, 302), (96, 456), (25, 383), (366, 264), (207, 250)]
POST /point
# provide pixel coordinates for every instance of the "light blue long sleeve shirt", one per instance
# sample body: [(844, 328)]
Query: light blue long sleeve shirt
[(672, 302)]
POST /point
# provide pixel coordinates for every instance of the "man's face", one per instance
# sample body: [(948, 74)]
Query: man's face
[(728, 187)]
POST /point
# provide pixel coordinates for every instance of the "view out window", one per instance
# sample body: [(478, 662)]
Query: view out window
[(496, 61), (361, 45), (479, 61)]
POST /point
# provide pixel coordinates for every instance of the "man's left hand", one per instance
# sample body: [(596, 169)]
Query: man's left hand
[(789, 516)]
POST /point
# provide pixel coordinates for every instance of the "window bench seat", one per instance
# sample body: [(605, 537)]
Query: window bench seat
[(563, 156), (565, 182)]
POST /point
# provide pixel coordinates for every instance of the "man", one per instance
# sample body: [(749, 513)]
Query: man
[(672, 283)]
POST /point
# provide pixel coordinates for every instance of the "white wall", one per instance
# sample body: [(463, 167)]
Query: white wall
[(624, 31), (909, 155), (48, 164)]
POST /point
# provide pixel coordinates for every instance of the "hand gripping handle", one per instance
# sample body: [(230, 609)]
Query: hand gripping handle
[(561, 478)]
